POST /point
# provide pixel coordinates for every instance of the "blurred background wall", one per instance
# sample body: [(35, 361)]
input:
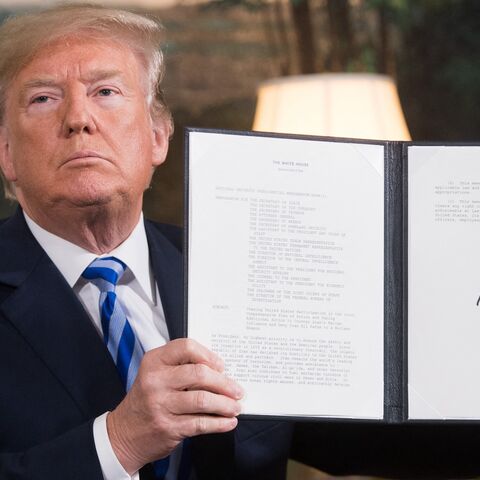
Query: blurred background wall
[(218, 52)]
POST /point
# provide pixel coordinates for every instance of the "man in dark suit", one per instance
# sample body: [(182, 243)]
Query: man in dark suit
[(83, 128), (57, 375)]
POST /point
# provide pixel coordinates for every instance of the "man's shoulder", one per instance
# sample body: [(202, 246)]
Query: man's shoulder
[(172, 233)]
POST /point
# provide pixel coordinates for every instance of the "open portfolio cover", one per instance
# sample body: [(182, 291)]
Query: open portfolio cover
[(337, 278)]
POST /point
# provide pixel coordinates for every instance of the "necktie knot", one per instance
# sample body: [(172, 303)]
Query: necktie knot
[(105, 273)]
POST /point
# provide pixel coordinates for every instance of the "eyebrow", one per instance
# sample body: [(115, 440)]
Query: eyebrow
[(91, 77)]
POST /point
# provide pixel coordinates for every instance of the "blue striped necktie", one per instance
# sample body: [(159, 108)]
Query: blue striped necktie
[(118, 334)]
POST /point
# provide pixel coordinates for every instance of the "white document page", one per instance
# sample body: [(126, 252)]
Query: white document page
[(285, 274), (444, 282)]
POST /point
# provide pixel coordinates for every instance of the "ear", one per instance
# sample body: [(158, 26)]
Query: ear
[(161, 130), (6, 162)]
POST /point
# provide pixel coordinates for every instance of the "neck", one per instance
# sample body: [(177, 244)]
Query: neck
[(98, 229)]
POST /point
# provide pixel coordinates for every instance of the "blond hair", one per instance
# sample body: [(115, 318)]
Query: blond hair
[(21, 37)]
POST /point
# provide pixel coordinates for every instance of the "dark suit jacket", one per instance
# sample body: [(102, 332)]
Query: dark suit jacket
[(56, 375)]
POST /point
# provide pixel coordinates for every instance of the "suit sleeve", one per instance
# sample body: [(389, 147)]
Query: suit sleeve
[(70, 456)]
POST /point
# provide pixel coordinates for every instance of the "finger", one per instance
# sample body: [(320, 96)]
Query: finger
[(193, 425), (200, 401), (186, 350), (197, 376)]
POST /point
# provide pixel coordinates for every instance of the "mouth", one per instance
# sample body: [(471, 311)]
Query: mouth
[(85, 156)]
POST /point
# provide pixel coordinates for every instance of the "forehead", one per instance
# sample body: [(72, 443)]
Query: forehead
[(78, 57)]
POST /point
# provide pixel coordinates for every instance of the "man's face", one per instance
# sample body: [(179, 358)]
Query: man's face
[(77, 128)]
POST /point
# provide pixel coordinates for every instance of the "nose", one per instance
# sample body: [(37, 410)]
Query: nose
[(77, 117)]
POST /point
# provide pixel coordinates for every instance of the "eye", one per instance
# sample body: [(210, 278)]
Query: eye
[(106, 92), (41, 99)]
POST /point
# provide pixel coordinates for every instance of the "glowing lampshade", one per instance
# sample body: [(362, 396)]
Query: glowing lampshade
[(340, 105)]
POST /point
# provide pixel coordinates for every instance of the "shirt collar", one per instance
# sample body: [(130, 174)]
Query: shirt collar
[(72, 260)]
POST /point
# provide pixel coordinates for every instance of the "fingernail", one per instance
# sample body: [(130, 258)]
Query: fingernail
[(220, 365), (238, 392)]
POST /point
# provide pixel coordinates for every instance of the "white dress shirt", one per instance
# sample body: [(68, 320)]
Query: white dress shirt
[(138, 294)]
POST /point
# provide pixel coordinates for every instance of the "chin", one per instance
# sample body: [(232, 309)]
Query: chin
[(84, 202), (93, 195)]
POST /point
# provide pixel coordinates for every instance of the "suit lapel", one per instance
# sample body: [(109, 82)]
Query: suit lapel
[(168, 270), (46, 312)]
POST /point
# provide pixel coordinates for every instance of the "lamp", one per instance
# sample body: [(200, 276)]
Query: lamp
[(342, 105)]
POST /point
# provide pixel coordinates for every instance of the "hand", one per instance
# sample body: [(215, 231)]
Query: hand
[(180, 391)]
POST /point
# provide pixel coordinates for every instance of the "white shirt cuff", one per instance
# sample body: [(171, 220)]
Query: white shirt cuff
[(111, 468)]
